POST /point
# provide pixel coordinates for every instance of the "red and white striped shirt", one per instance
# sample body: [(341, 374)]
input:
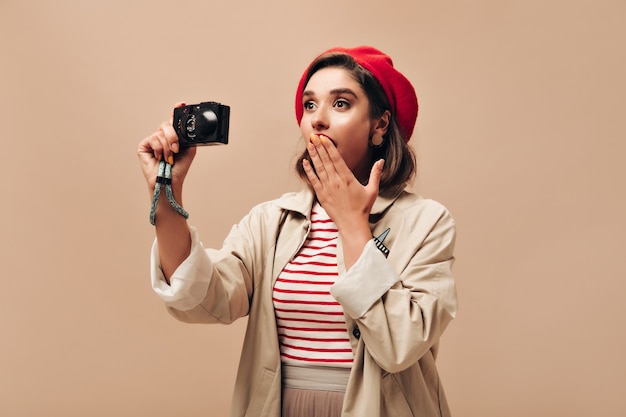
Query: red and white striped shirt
[(311, 326)]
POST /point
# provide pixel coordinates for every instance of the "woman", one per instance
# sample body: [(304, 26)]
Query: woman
[(347, 284)]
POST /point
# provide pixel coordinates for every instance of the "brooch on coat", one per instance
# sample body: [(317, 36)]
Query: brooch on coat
[(379, 242)]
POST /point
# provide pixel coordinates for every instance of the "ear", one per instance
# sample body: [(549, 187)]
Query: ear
[(382, 125)]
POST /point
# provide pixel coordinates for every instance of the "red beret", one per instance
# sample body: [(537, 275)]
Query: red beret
[(398, 88)]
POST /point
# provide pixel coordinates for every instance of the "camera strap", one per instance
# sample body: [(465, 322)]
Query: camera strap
[(164, 178)]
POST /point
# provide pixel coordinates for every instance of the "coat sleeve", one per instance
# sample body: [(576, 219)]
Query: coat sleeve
[(212, 286), (402, 315)]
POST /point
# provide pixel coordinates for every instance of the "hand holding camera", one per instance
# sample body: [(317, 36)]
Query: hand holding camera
[(193, 125)]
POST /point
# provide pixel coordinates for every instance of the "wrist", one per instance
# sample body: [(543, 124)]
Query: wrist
[(168, 195)]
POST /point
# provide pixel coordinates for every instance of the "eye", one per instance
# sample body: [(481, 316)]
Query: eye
[(308, 105), (342, 103)]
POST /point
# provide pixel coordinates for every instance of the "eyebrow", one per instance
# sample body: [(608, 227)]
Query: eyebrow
[(335, 92)]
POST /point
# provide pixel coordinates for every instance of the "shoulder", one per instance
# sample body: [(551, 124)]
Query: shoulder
[(411, 204), (416, 218)]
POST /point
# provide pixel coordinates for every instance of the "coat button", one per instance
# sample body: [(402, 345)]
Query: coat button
[(356, 333)]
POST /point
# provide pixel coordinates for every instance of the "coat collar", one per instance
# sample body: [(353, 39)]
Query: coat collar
[(302, 202)]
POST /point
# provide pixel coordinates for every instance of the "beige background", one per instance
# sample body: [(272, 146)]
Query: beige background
[(521, 134)]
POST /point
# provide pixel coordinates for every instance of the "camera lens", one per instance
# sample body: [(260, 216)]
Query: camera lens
[(190, 126), (206, 123)]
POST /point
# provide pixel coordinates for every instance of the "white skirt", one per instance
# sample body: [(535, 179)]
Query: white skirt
[(313, 391)]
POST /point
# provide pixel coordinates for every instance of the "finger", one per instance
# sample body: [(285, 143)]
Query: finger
[(172, 137), (180, 104), (312, 176), (176, 106), (146, 153), (151, 145), (321, 143), (325, 161), (374, 181), (170, 132), (160, 145), (169, 141), (315, 157), (334, 158)]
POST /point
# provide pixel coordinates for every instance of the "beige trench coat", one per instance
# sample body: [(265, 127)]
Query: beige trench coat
[(396, 308)]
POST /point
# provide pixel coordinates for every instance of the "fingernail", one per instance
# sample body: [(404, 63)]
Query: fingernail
[(170, 160), (159, 157), (174, 147)]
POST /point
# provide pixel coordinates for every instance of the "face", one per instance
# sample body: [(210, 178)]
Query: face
[(336, 106)]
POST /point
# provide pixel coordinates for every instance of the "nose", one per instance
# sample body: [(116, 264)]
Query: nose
[(319, 119)]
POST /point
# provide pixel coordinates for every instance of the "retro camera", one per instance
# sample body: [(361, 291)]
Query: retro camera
[(202, 124)]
